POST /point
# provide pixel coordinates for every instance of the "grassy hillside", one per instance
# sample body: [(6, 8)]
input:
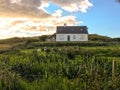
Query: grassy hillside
[(95, 37), (33, 64), (61, 67), (11, 42), (16, 43)]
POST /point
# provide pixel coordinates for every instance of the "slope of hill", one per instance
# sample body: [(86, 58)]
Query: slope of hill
[(31, 63), (41, 40)]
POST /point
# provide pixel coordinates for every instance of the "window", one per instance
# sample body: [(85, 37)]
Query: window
[(74, 37), (81, 36), (68, 38), (61, 37)]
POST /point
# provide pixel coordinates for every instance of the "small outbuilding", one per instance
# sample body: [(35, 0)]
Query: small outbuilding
[(72, 33)]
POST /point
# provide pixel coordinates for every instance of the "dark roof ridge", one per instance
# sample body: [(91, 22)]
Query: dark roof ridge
[(71, 26), (72, 30)]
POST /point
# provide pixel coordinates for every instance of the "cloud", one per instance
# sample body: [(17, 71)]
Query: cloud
[(34, 3), (73, 5), (24, 27), (17, 22), (59, 19), (30, 18), (36, 8), (22, 8)]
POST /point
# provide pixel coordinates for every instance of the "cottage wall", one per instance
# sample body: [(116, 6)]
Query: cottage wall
[(71, 37)]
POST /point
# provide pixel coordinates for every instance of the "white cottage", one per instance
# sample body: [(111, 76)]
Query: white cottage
[(71, 33)]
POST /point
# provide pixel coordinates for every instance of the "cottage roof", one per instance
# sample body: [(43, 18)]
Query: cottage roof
[(72, 30)]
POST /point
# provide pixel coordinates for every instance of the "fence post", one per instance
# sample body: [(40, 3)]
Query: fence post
[(113, 69)]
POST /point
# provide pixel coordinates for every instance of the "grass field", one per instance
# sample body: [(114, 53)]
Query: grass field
[(4, 46), (60, 66)]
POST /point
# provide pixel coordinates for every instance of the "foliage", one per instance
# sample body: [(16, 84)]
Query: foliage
[(61, 66), (43, 37), (8, 80), (95, 37)]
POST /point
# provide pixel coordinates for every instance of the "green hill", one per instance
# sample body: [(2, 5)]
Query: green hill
[(16, 42), (34, 64)]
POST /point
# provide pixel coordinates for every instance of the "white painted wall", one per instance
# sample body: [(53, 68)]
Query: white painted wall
[(73, 37)]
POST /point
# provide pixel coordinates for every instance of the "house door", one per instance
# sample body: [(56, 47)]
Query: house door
[(68, 38)]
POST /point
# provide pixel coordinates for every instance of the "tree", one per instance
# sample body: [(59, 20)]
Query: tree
[(43, 37)]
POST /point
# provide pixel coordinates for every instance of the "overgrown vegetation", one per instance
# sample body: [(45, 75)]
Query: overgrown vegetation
[(35, 65)]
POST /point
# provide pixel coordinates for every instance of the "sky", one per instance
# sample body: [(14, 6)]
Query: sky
[(26, 18)]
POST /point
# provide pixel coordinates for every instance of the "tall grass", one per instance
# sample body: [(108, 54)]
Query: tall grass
[(61, 68)]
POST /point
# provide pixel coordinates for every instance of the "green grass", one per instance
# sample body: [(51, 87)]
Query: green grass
[(60, 66)]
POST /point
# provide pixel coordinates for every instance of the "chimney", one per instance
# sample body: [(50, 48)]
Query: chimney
[(65, 24)]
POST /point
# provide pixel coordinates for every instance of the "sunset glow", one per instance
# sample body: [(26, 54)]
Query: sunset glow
[(22, 18)]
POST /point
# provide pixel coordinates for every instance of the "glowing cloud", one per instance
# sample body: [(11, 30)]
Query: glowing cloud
[(74, 5), (30, 18)]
